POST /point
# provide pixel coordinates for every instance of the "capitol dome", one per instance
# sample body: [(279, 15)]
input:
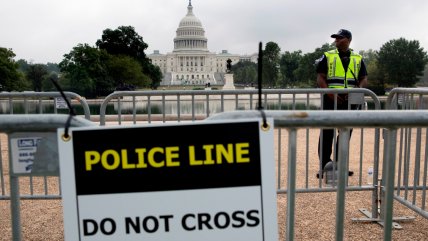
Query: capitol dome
[(190, 34), (190, 62), (190, 19)]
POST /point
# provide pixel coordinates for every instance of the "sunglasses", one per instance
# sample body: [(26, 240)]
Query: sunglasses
[(340, 37)]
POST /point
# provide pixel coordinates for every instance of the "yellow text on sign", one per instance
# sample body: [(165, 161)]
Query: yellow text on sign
[(219, 153), (157, 157), (112, 159)]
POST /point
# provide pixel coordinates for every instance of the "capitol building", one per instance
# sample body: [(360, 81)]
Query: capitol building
[(191, 63)]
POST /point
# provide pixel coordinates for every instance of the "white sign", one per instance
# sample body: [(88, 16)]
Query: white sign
[(60, 103), (206, 181), (23, 150)]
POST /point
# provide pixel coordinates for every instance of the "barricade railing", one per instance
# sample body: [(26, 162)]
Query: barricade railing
[(182, 105), (407, 99), (40, 103), (201, 104), (39, 132), (231, 100), (292, 121), (411, 188), (20, 103)]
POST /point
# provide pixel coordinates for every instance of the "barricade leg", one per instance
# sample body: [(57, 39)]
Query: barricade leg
[(379, 195), (291, 193), (15, 208), (343, 181)]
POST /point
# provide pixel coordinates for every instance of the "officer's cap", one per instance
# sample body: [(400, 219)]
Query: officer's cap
[(342, 33)]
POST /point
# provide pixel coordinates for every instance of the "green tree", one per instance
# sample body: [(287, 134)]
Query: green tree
[(23, 65), (245, 73), (271, 56), (52, 67), (289, 63), (47, 82), (125, 41), (35, 74), (424, 80), (85, 71), (376, 80), (10, 78), (306, 72), (126, 71), (402, 62), (154, 73), (369, 56)]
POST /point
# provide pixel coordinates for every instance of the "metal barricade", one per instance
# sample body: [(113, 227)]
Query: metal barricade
[(128, 105), (39, 131), (292, 121), (201, 104), (20, 103), (40, 103), (191, 105), (30, 111), (412, 174)]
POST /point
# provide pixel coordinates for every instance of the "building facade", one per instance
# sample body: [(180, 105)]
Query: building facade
[(191, 63)]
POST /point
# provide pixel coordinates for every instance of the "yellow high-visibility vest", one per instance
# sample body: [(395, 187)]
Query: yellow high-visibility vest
[(336, 75)]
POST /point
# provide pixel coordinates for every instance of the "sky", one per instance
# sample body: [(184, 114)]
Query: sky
[(42, 31)]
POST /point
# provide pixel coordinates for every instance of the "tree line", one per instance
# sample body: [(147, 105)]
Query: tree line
[(118, 62)]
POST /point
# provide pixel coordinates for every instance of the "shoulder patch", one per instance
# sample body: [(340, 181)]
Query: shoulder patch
[(317, 61)]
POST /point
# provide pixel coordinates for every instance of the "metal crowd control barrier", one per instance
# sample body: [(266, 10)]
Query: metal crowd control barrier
[(37, 103), (216, 101), (13, 103), (28, 127), (191, 105), (40, 103), (412, 173), (344, 120), (127, 103), (16, 114)]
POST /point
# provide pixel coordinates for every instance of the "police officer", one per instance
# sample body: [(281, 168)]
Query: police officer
[(339, 68)]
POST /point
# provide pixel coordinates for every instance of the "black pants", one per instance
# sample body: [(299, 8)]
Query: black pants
[(328, 134)]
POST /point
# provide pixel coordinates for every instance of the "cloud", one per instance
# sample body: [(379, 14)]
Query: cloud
[(45, 30)]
